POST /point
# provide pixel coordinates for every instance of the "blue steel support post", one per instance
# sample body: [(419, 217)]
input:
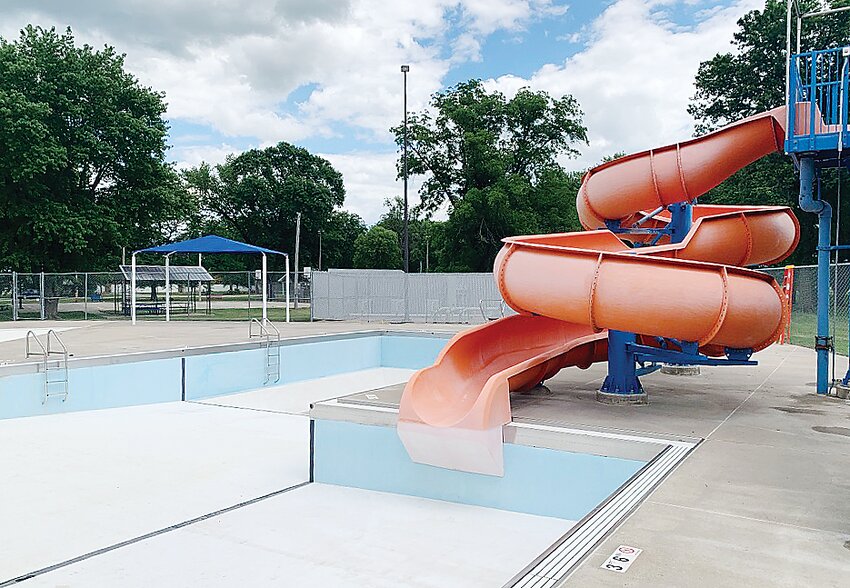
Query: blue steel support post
[(824, 211), (681, 220), (622, 378)]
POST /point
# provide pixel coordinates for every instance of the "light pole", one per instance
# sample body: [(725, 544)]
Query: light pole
[(404, 70), (320, 249)]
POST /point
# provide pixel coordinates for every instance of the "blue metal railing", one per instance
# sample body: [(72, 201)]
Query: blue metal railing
[(817, 102)]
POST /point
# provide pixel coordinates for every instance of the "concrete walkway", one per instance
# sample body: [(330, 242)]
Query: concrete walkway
[(763, 501), (93, 338)]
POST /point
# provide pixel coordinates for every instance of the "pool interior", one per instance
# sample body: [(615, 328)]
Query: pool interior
[(557, 470), (551, 470), (193, 374)]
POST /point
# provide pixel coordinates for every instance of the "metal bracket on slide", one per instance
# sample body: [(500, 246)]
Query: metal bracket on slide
[(677, 228), (689, 355)]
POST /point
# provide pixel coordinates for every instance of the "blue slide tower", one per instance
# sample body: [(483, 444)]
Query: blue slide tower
[(817, 139)]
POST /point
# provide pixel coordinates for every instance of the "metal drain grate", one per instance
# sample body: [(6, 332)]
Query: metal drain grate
[(555, 564)]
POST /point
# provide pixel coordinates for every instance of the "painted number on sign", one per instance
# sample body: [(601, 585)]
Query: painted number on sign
[(621, 559)]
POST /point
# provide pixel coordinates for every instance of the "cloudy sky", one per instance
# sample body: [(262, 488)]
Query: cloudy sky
[(324, 74)]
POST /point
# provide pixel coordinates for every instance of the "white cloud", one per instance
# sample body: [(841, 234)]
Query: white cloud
[(635, 76), (194, 155), (370, 178), (231, 66)]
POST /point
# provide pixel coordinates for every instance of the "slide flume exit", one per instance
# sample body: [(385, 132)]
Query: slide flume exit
[(570, 288)]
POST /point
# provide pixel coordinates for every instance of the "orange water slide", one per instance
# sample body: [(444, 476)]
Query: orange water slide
[(570, 288)]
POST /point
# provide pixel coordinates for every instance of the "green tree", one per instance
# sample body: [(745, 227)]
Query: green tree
[(341, 231), (257, 195), (423, 234), (377, 249), (472, 235), (83, 171), (751, 79), (494, 163)]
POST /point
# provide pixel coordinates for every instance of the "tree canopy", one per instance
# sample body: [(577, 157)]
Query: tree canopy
[(751, 79), (256, 196), (83, 171), (377, 249), (734, 85), (493, 162)]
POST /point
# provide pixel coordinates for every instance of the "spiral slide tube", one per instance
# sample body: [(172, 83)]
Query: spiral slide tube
[(570, 288)]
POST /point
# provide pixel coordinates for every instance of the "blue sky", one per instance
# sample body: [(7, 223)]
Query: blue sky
[(324, 74)]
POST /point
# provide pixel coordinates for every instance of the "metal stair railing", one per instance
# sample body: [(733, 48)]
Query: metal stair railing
[(60, 368), (271, 343)]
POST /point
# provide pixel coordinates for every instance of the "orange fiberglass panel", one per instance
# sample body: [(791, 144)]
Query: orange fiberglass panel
[(569, 288)]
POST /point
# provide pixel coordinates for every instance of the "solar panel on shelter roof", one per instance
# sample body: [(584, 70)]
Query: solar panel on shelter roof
[(177, 273)]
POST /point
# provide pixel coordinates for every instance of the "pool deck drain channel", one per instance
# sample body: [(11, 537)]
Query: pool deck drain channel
[(555, 565), (125, 543)]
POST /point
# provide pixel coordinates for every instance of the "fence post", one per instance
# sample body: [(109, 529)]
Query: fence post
[(41, 293), (14, 296), (86, 296)]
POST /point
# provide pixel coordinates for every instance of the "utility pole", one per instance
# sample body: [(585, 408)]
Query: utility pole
[(297, 249), (427, 255), (320, 249)]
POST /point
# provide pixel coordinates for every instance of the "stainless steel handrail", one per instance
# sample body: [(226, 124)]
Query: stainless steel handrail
[(46, 352), (267, 330)]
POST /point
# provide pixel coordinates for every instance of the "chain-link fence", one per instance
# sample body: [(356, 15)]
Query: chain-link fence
[(366, 295), (805, 303), (235, 295)]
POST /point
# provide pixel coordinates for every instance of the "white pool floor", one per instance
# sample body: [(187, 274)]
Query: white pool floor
[(83, 482), (321, 535)]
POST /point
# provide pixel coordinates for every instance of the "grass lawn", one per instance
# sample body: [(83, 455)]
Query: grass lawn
[(804, 327), (275, 314)]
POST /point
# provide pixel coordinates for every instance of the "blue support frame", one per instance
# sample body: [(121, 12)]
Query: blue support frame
[(817, 137), (625, 354), (808, 202), (622, 375)]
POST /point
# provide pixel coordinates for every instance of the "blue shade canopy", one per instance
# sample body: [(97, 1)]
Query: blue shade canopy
[(209, 244)]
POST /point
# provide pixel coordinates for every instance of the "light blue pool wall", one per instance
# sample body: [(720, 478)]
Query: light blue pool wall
[(410, 352), (212, 374), (237, 371), (93, 387), (537, 480)]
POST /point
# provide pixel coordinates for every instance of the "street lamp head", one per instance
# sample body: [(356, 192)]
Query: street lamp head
[(405, 68)]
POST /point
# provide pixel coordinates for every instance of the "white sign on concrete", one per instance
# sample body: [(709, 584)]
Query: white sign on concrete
[(621, 559)]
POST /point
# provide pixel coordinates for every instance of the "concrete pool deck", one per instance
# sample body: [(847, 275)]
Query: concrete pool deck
[(761, 502), (95, 338)]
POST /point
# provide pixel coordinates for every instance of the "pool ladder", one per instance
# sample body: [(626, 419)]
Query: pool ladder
[(270, 334), (55, 373)]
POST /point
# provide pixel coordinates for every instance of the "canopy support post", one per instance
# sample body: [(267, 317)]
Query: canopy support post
[(167, 289), (133, 289), (265, 289)]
